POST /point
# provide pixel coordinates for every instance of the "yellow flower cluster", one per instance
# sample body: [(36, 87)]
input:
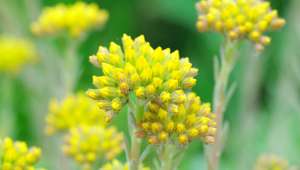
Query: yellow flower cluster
[(137, 68), (88, 139), (178, 118), (239, 19), (17, 156), (88, 144), (116, 165), (75, 19), (271, 162), (15, 53), (73, 111)]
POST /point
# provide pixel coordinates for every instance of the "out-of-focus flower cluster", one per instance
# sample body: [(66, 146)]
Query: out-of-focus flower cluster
[(75, 19), (137, 68), (271, 162), (17, 155), (239, 19), (178, 117), (88, 139), (15, 53), (87, 144), (116, 165), (73, 111)]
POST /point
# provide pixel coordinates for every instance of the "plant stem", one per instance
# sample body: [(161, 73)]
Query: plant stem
[(135, 147), (220, 99), (6, 107), (71, 70), (167, 157)]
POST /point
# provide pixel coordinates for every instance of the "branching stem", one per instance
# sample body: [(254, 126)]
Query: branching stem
[(228, 60)]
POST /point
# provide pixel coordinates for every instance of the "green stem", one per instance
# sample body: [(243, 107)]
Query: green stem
[(167, 157), (6, 111), (228, 60), (135, 148), (71, 70)]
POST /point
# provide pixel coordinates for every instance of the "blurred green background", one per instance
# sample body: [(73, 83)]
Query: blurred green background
[(264, 112)]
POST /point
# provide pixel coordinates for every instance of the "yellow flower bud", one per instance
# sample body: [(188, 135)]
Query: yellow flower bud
[(116, 104), (183, 139), (140, 92), (180, 127), (165, 96)]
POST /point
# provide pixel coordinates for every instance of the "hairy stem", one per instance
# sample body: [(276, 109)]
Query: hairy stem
[(135, 147), (228, 59)]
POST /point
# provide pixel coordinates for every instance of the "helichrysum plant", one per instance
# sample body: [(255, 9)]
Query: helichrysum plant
[(154, 84), (73, 19), (236, 20), (87, 138), (139, 69), (15, 53), (239, 19), (70, 23), (72, 111), (17, 155), (89, 144)]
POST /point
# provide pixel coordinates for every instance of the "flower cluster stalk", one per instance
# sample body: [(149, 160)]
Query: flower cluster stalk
[(6, 109), (220, 98), (167, 157), (71, 66), (135, 147)]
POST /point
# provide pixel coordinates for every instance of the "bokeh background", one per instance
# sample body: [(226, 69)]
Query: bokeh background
[(263, 115)]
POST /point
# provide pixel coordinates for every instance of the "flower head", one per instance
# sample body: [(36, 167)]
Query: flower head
[(17, 155), (180, 119), (88, 144), (15, 53), (271, 162), (139, 69), (73, 111), (74, 19), (116, 165), (239, 19)]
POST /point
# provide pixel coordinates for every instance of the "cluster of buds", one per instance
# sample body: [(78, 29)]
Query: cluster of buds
[(116, 165), (73, 111), (178, 118), (271, 162), (88, 139), (87, 145), (17, 155), (139, 69), (239, 19), (74, 19), (15, 53)]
